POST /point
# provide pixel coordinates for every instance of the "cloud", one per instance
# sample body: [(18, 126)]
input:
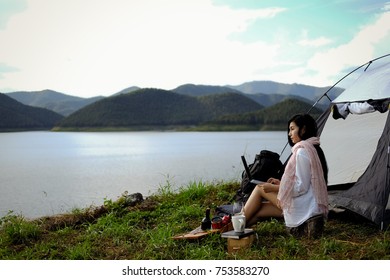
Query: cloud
[(4, 68), (9, 8), (361, 49), (93, 47), (68, 45), (317, 42), (386, 7), (321, 61)]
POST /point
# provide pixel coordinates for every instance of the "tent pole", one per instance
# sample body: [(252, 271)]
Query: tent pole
[(326, 92), (357, 68)]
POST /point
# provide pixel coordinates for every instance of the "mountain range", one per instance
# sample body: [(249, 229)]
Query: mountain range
[(187, 104), (266, 93)]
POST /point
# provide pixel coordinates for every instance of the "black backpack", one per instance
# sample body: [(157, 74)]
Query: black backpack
[(266, 165)]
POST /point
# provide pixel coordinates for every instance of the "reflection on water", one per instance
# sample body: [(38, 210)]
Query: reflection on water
[(46, 173)]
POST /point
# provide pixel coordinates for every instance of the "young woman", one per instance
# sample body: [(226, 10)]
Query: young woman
[(302, 191)]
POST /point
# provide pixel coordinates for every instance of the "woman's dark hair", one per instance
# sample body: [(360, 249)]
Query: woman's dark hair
[(307, 127), (306, 124)]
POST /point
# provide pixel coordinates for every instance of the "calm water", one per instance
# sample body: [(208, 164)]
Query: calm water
[(46, 173)]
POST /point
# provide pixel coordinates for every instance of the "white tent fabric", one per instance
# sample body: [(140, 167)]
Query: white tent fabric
[(374, 83), (350, 144)]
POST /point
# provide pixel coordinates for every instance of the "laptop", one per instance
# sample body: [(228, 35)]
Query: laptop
[(253, 181)]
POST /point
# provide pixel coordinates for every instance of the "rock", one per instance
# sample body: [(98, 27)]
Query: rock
[(133, 199)]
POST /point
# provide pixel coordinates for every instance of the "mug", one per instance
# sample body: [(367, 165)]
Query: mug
[(216, 223), (238, 222)]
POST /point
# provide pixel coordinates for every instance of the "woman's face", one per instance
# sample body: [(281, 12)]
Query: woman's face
[(293, 133)]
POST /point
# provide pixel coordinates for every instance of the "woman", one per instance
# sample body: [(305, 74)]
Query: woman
[(302, 191)]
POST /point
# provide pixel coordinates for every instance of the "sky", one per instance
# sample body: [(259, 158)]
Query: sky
[(99, 47)]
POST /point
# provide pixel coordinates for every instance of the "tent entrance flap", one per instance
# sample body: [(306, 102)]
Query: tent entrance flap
[(350, 144)]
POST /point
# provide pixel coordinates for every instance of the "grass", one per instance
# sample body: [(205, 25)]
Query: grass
[(117, 230)]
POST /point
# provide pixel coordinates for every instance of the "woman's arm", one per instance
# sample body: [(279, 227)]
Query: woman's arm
[(268, 187)]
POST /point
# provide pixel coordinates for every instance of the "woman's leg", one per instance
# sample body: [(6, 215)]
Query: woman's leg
[(253, 204), (267, 210), (255, 208)]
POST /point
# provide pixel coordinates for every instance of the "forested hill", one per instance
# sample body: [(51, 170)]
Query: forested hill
[(17, 116), (156, 107), (269, 118)]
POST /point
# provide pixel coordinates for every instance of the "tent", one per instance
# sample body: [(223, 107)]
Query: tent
[(355, 136)]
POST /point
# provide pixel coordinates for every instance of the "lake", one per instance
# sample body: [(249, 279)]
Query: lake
[(45, 173)]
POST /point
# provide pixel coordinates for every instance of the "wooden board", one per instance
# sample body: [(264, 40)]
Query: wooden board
[(194, 234), (199, 233)]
